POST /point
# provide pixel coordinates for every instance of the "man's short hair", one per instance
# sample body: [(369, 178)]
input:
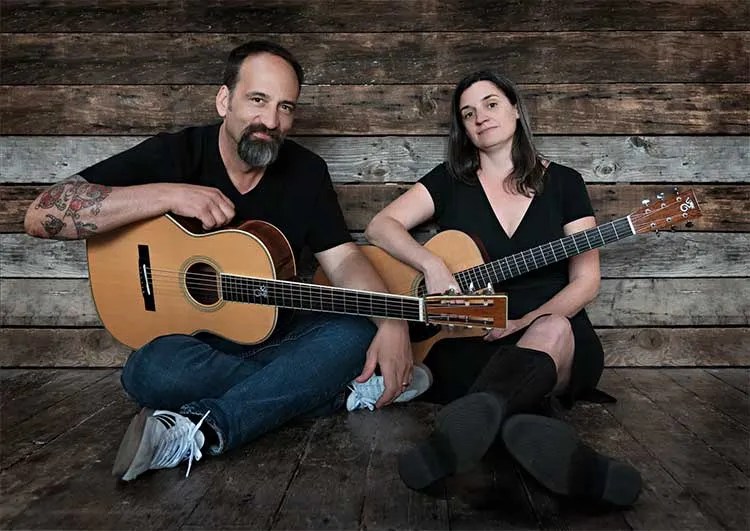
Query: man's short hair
[(242, 52)]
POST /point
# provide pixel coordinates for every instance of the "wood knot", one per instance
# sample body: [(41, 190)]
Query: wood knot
[(639, 142), (650, 339), (427, 103), (605, 169)]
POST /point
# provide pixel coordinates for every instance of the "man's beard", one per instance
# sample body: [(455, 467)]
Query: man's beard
[(258, 153)]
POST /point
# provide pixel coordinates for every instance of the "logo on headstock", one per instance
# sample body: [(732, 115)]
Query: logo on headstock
[(687, 205)]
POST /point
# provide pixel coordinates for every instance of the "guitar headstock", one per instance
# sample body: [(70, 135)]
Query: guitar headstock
[(665, 212), (480, 311)]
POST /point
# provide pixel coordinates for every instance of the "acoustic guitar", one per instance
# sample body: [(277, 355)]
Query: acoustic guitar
[(464, 259), (157, 277)]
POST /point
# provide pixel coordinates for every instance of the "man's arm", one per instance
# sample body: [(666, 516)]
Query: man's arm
[(76, 209), (347, 267)]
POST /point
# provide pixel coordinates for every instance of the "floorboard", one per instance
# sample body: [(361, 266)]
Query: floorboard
[(684, 429), (719, 488)]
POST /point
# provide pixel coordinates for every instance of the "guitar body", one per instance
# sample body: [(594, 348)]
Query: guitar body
[(457, 249), (135, 313)]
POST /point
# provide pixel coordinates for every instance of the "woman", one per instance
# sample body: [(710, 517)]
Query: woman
[(496, 187)]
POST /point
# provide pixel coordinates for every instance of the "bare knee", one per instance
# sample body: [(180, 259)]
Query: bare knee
[(552, 334), (550, 329)]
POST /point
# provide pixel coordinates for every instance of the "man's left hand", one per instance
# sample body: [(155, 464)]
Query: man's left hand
[(391, 350)]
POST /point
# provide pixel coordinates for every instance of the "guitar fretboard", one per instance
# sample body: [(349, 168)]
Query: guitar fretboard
[(302, 296), (480, 276)]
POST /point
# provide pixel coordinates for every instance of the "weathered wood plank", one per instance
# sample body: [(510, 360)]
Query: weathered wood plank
[(621, 303), (703, 419), (385, 58), (675, 347), (78, 401), (23, 404), (490, 496), (256, 477), (623, 347), (577, 109), (661, 302), (327, 491), (679, 254), (18, 384), (43, 473), (723, 206), (369, 15), (739, 378), (714, 484), (45, 347), (626, 159), (717, 393), (662, 503), (59, 495), (388, 504), (53, 488)]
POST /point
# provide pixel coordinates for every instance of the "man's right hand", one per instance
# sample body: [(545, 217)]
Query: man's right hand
[(205, 203)]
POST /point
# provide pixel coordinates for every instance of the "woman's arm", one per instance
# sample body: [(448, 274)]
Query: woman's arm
[(389, 230)]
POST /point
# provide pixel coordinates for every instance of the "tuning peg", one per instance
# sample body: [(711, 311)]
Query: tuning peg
[(660, 196), (645, 202), (675, 190)]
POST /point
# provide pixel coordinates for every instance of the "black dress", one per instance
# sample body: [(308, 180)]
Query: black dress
[(456, 362)]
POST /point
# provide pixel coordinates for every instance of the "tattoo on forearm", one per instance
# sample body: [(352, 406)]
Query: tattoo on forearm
[(70, 198)]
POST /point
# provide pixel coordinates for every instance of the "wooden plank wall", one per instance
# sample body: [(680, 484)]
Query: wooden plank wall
[(639, 95)]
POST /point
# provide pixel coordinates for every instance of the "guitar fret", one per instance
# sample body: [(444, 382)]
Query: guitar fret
[(574, 243), (515, 260), (536, 266), (526, 262)]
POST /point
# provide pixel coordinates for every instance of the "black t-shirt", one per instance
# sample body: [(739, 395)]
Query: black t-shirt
[(465, 207), (295, 194)]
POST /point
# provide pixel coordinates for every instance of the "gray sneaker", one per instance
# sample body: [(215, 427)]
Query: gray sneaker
[(366, 394), (158, 439)]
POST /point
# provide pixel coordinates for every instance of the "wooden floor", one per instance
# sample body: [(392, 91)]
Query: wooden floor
[(686, 430)]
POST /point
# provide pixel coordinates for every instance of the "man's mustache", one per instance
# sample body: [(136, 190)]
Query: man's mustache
[(260, 128)]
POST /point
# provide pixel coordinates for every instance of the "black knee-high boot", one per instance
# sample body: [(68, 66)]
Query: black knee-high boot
[(515, 379)]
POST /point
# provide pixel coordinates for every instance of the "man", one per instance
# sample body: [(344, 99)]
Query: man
[(198, 390)]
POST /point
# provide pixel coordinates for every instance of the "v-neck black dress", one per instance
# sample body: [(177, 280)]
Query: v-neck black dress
[(465, 207)]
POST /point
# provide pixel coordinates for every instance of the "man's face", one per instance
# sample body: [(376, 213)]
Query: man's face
[(259, 111)]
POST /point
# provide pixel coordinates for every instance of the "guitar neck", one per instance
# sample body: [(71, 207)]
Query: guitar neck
[(543, 255), (301, 296)]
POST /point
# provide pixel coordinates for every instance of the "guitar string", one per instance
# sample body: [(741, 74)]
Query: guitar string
[(407, 313), (465, 277)]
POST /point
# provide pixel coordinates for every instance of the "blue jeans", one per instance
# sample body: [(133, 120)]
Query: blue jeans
[(251, 389)]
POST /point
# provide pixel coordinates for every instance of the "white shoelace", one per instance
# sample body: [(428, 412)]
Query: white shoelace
[(178, 442), (360, 400)]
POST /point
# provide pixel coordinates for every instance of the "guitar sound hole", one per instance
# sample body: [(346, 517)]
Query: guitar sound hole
[(202, 283)]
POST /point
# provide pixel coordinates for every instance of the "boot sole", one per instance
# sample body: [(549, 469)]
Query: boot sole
[(465, 430), (130, 444), (544, 447)]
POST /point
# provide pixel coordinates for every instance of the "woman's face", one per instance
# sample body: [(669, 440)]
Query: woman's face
[(488, 115)]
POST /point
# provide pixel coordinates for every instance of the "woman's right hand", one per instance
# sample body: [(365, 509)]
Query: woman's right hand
[(439, 279)]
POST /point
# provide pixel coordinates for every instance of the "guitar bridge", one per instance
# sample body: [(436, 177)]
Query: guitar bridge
[(147, 281)]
